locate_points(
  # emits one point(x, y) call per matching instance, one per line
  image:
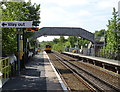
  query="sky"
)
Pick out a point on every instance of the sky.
point(91, 15)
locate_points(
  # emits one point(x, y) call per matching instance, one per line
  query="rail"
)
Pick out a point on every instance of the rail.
point(92, 78)
point(72, 80)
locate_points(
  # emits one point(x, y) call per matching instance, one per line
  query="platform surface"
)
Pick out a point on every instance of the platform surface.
point(38, 76)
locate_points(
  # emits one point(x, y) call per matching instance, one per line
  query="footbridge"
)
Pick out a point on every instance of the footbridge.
point(64, 31)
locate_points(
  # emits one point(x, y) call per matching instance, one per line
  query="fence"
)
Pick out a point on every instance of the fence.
point(84, 51)
point(110, 54)
point(6, 69)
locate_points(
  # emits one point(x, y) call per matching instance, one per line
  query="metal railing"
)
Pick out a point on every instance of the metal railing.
point(110, 54)
point(6, 68)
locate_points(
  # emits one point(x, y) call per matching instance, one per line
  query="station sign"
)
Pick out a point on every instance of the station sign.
point(16, 24)
point(32, 29)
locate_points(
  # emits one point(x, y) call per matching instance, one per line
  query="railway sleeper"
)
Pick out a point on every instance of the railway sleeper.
point(105, 82)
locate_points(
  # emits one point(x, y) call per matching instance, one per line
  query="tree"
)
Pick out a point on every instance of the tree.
point(59, 47)
point(112, 37)
point(72, 40)
point(34, 13)
point(56, 41)
point(11, 12)
point(82, 42)
point(98, 34)
point(62, 39)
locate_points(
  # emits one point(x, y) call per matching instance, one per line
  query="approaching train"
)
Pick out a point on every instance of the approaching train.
point(48, 48)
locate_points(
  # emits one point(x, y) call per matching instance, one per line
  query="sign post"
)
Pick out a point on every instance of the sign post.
point(19, 25)
point(18, 40)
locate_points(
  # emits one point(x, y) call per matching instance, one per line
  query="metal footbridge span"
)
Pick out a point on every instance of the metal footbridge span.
point(64, 31)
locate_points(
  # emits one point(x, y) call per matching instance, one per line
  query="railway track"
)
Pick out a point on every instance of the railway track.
point(71, 79)
point(100, 84)
point(110, 77)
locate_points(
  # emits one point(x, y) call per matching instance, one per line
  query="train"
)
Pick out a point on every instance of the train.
point(48, 48)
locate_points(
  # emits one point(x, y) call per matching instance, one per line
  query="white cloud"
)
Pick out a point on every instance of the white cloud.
point(57, 16)
point(54, 15)
point(88, 14)
point(119, 9)
point(84, 13)
point(67, 2)
point(47, 38)
point(106, 4)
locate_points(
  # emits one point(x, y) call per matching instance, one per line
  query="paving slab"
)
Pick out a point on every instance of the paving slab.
point(38, 76)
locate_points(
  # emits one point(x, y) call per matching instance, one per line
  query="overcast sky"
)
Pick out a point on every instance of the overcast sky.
point(88, 14)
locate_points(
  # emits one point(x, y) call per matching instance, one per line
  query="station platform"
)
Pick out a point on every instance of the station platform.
point(39, 76)
point(104, 60)
point(108, 64)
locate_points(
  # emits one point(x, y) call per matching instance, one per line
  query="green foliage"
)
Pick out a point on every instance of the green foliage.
point(79, 41)
point(112, 48)
point(9, 41)
point(33, 14)
point(14, 11)
point(72, 40)
point(42, 44)
point(10, 13)
point(82, 42)
point(63, 44)
point(59, 44)
point(62, 39)
point(111, 33)
point(98, 34)
point(58, 47)
point(56, 40)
